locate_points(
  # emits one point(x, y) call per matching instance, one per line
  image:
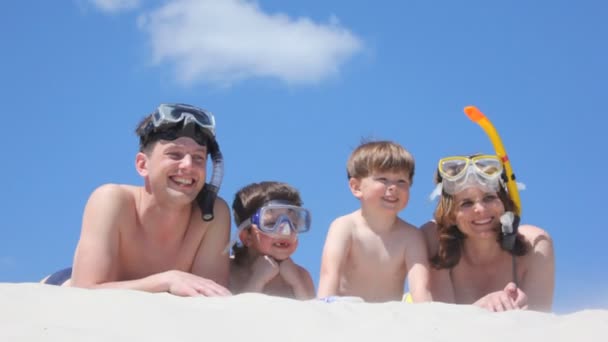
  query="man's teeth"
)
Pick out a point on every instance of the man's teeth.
point(184, 181)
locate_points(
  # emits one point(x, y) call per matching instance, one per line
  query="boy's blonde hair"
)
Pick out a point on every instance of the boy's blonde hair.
point(380, 156)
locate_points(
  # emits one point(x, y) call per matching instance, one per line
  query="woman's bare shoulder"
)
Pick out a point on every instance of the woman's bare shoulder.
point(429, 231)
point(537, 237)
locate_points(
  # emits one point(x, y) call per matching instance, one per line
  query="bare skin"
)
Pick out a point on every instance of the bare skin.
point(153, 238)
point(267, 268)
point(373, 265)
point(369, 253)
point(484, 277)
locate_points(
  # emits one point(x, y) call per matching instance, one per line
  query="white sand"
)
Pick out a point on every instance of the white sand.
point(36, 312)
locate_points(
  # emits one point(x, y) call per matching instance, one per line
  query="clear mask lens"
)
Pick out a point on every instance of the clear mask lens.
point(173, 113)
point(459, 173)
point(282, 219)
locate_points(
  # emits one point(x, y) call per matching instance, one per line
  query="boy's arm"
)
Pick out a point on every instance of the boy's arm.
point(336, 249)
point(439, 279)
point(298, 278)
point(306, 288)
point(416, 258)
point(539, 282)
point(210, 261)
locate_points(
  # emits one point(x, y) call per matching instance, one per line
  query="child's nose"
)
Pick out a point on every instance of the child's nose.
point(285, 228)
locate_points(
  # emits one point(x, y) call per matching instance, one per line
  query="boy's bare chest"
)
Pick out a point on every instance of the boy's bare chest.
point(379, 249)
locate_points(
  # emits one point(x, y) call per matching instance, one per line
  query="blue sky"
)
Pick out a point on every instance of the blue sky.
point(295, 86)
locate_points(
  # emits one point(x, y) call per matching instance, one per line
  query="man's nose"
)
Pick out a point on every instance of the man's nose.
point(186, 162)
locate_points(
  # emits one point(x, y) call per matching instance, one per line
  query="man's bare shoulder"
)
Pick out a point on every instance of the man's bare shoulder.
point(115, 192)
point(221, 214)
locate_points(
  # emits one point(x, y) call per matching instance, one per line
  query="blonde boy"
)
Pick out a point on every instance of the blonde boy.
point(370, 252)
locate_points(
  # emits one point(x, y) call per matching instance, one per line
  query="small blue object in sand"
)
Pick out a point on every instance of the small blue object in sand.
point(333, 299)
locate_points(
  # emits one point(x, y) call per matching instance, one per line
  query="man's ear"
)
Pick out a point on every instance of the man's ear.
point(355, 186)
point(141, 164)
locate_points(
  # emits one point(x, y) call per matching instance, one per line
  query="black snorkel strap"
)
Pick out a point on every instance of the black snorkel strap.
point(508, 239)
point(206, 198)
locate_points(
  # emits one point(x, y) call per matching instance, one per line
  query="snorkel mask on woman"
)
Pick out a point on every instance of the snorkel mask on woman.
point(171, 121)
point(277, 219)
point(459, 172)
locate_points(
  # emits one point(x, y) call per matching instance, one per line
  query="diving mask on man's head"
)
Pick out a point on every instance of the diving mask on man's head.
point(174, 120)
point(171, 121)
point(460, 172)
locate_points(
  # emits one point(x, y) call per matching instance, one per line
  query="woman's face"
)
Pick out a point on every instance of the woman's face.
point(477, 213)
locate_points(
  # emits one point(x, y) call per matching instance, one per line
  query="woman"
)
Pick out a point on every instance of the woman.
point(479, 255)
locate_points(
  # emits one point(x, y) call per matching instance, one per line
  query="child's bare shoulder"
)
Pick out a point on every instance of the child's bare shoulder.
point(344, 222)
point(409, 233)
point(406, 228)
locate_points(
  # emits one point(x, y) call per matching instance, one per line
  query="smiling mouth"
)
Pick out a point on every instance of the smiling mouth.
point(282, 244)
point(390, 199)
point(482, 222)
point(182, 181)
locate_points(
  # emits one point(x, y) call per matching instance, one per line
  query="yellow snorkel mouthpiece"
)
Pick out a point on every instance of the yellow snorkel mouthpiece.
point(478, 117)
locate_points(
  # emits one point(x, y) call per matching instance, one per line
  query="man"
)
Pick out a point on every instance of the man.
point(167, 235)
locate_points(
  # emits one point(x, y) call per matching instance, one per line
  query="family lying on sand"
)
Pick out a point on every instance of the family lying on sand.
point(172, 234)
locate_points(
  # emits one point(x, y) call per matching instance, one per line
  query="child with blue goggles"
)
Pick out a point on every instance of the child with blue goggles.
point(269, 217)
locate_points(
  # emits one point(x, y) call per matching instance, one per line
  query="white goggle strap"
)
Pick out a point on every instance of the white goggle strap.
point(235, 239)
point(436, 192)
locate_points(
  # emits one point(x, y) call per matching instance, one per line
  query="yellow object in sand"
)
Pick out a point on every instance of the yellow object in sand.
point(407, 297)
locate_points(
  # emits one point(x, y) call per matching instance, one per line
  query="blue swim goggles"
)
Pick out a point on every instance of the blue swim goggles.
point(277, 217)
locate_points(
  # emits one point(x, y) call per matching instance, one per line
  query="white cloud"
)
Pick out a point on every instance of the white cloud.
point(230, 40)
point(113, 6)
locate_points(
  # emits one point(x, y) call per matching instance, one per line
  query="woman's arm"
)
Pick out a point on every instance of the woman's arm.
point(539, 280)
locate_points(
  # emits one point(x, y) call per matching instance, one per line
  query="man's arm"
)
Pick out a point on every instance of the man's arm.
point(96, 254)
point(336, 249)
point(439, 279)
point(416, 261)
point(539, 281)
point(210, 260)
point(96, 261)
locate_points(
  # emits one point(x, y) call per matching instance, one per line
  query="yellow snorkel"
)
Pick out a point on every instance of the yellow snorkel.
point(477, 116)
